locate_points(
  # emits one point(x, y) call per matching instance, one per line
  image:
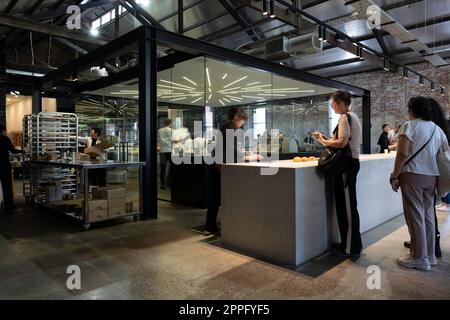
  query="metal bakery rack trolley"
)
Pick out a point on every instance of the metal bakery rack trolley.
point(55, 177)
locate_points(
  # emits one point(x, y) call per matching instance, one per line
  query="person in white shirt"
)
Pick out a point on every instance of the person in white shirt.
point(346, 135)
point(415, 174)
point(93, 139)
point(165, 150)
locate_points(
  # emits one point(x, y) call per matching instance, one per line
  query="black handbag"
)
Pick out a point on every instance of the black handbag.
point(334, 160)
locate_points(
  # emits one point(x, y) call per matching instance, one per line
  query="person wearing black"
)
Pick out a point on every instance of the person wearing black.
point(5, 168)
point(232, 153)
point(346, 136)
point(383, 141)
point(97, 177)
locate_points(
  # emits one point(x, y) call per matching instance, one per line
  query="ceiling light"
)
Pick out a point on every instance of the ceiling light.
point(177, 99)
point(272, 94)
point(209, 89)
point(210, 95)
point(433, 86)
point(187, 79)
point(162, 85)
point(386, 64)
point(94, 32)
point(265, 11)
point(177, 84)
point(405, 73)
point(272, 8)
point(196, 100)
point(225, 99)
point(8, 99)
point(221, 102)
point(240, 79)
point(207, 76)
point(224, 76)
point(251, 97)
point(442, 90)
point(320, 33)
point(250, 84)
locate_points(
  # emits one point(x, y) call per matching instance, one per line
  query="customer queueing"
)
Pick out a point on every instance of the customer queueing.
point(415, 173)
point(439, 119)
point(383, 140)
point(5, 168)
point(231, 151)
point(348, 132)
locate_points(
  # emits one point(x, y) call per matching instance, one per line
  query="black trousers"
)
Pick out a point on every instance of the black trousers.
point(6, 178)
point(97, 177)
point(347, 208)
point(213, 189)
point(164, 159)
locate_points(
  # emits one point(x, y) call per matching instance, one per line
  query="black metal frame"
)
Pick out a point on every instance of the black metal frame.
point(148, 38)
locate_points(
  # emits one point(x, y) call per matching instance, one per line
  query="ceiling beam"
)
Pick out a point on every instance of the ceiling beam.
point(396, 5)
point(331, 64)
point(381, 42)
point(10, 6)
point(45, 28)
point(142, 12)
point(236, 16)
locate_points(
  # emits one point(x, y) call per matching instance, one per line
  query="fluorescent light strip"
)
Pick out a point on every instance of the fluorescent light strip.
point(196, 100)
point(224, 76)
point(272, 94)
point(221, 102)
point(210, 95)
point(240, 79)
point(209, 89)
point(187, 79)
point(207, 76)
point(231, 97)
point(177, 84)
point(172, 87)
point(225, 90)
point(177, 99)
point(237, 100)
point(250, 84)
point(225, 99)
point(251, 97)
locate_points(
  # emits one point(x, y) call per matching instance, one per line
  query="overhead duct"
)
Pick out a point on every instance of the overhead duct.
point(283, 47)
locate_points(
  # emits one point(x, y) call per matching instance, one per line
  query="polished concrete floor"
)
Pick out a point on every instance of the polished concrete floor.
point(164, 259)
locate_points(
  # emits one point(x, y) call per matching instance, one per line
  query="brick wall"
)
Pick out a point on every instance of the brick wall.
point(390, 93)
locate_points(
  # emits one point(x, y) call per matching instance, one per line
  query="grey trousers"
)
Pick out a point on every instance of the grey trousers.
point(418, 207)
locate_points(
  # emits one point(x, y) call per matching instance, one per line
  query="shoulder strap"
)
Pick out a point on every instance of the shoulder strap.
point(418, 151)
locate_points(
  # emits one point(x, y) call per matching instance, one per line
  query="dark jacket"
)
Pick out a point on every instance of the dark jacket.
point(383, 142)
point(6, 147)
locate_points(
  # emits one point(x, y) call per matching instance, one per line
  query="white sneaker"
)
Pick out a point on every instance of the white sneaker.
point(445, 208)
point(432, 260)
point(419, 264)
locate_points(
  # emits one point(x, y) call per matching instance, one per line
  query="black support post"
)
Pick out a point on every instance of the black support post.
point(180, 17)
point(147, 121)
point(366, 125)
point(3, 80)
point(36, 100)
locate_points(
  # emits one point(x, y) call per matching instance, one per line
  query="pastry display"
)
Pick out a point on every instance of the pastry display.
point(305, 159)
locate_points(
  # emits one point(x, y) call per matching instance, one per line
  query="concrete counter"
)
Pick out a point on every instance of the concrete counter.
point(289, 218)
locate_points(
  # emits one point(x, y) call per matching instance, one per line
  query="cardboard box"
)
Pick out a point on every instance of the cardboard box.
point(96, 205)
point(116, 202)
point(97, 215)
point(98, 149)
point(116, 211)
point(118, 193)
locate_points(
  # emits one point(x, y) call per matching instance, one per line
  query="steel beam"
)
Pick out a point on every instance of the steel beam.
point(57, 31)
point(148, 122)
point(2, 80)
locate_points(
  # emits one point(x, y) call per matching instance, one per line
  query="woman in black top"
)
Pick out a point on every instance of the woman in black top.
point(383, 141)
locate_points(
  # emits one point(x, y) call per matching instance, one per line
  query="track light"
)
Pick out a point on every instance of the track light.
point(433, 86)
point(272, 9)
point(324, 33)
point(320, 32)
point(265, 9)
point(421, 80)
point(405, 73)
point(360, 53)
point(386, 64)
point(442, 90)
